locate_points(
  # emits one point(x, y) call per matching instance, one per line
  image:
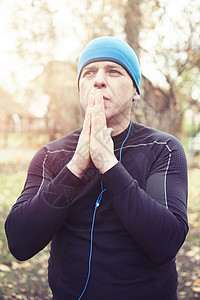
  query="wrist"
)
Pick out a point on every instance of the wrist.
point(108, 165)
point(73, 167)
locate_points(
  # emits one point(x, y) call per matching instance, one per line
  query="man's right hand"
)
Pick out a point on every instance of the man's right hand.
point(81, 160)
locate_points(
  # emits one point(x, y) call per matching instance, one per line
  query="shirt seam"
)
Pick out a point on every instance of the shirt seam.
point(168, 162)
point(44, 161)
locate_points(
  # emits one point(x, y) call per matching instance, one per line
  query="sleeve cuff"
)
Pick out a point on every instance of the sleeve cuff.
point(116, 179)
point(67, 178)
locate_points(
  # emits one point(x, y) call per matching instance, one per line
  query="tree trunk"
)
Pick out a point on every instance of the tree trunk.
point(156, 108)
point(133, 24)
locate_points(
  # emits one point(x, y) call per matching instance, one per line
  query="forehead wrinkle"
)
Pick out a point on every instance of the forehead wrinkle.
point(106, 65)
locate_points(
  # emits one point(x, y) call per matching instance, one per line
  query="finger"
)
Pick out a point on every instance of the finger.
point(97, 117)
point(90, 100)
point(99, 100)
point(96, 121)
point(94, 118)
point(98, 109)
point(87, 122)
point(90, 104)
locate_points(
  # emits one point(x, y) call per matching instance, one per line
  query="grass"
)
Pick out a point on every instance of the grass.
point(28, 280)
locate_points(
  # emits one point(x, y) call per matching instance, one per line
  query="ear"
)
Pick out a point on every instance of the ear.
point(136, 96)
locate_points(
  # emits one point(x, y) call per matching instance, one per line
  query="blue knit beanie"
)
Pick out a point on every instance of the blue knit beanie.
point(111, 49)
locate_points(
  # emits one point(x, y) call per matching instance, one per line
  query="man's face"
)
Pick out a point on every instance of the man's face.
point(116, 87)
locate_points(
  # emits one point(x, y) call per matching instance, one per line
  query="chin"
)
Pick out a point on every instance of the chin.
point(112, 120)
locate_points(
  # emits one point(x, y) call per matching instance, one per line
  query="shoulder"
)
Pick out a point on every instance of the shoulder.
point(64, 145)
point(67, 142)
point(162, 147)
point(150, 136)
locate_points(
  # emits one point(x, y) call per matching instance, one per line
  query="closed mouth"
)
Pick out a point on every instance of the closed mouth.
point(105, 98)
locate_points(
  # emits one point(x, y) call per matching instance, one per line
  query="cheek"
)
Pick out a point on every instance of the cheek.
point(127, 91)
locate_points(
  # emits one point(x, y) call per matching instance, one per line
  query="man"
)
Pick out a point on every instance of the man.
point(111, 196)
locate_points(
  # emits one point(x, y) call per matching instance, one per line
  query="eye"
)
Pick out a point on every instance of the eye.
point(88, 73)
point(113, 71)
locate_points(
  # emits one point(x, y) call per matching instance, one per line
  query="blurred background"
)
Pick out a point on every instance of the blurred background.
point(40, 41)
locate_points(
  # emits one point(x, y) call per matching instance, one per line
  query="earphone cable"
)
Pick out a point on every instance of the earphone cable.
point(98, 201)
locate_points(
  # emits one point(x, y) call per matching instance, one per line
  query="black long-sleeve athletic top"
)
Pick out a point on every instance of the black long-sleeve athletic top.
point(139, 227)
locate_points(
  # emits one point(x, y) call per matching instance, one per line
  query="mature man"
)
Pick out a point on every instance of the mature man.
point(111, 196)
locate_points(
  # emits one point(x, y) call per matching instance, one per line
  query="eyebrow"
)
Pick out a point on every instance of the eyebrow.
point(113, 66)
point(107, 66)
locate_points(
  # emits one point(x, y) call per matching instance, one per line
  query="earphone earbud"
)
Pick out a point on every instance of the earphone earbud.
point(135, 97)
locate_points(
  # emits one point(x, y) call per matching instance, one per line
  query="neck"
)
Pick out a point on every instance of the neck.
point(121, 125)
point(118, 126)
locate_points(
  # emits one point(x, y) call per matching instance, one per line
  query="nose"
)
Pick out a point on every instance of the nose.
point(100, 80)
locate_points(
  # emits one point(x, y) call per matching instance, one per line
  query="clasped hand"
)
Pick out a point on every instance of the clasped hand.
point(95, 143)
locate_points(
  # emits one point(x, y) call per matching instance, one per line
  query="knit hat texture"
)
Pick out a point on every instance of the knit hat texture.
point(113, 49)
